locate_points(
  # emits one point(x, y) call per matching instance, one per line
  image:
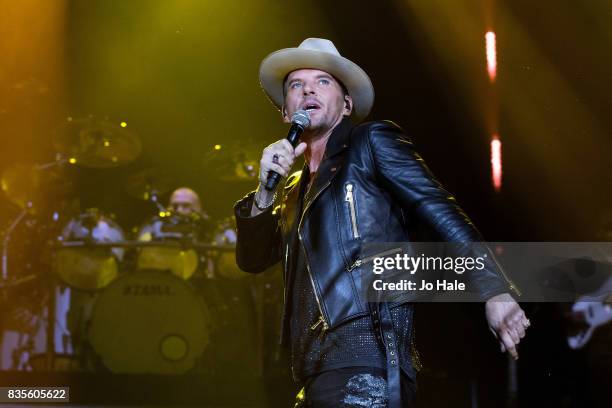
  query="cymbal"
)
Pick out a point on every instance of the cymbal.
point(96, 143)
point(233, 164)
point(242, 171)
point(27, 184)
point(145, 183)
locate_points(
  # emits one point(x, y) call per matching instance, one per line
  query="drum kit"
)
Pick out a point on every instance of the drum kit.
point(119, 303)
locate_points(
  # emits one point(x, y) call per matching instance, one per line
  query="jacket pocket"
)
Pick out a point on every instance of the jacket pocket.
point(352, 207)
point(363, 261)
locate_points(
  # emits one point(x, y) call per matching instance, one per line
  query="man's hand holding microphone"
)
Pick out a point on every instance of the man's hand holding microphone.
point(277, 160)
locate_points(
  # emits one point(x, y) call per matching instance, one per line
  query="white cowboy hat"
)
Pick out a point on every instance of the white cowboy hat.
point(316, 53)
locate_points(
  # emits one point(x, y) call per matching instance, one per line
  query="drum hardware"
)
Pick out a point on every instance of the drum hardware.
point(89, 266)
point(138, 244)
point(6, 241)
point(85, 142)
point(148, 185)
point(61, 362)
point(21, 355)
point(8, 283)
point(154, 198)
point(50, 328)
point(29, 186)
point(40, 334)
point(26, 322)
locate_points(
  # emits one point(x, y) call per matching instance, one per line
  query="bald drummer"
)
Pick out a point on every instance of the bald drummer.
point(185, 201)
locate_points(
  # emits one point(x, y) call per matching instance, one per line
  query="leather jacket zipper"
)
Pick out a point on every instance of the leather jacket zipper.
point(350, 199)
point(414, 353)
point(314, 288)
point(363, 261)
point(319, 321)
point(316, 293)
point(285, 276)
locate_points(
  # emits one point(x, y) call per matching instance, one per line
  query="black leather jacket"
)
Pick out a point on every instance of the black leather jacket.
point(391, 187)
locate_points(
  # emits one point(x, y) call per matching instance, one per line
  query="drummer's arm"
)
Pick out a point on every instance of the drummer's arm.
point(258, 237)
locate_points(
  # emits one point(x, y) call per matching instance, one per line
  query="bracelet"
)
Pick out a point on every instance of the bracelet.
point(265, 206)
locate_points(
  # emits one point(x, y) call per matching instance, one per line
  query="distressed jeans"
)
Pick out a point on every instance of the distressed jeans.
point(352, 387)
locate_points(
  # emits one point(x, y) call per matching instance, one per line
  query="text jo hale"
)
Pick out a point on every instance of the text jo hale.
point(403, 285)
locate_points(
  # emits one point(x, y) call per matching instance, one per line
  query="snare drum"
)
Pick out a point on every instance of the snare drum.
point(88, 267)
point(149, 321)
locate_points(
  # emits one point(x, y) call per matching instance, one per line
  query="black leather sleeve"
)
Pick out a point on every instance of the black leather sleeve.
point(403, 173)
point(258, 244)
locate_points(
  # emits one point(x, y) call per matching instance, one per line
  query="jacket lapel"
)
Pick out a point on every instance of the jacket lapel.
point(290, 203)
point(330, 166)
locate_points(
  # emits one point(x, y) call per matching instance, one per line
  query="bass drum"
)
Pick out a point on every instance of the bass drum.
point(90, 268)
point(149, 322)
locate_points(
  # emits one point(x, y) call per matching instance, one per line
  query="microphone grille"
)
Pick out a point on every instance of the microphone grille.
point(301, 118)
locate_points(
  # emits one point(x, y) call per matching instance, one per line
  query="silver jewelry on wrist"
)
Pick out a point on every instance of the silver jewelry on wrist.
point(262, 207)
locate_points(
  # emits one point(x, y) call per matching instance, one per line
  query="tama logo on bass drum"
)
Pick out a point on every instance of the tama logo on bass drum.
point(147, 290)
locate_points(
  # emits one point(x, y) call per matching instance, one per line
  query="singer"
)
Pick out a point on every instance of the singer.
point(361, 183)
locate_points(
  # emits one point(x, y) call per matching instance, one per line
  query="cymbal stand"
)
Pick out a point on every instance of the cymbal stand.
point(59, 161)
point(7, 239)
point(7, 233)
point(154, 198)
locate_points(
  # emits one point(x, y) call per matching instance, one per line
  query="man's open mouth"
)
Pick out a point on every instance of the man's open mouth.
point(310, 107)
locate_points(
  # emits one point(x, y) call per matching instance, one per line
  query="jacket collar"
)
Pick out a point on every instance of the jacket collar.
point(339, 138)
point(331, 163)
